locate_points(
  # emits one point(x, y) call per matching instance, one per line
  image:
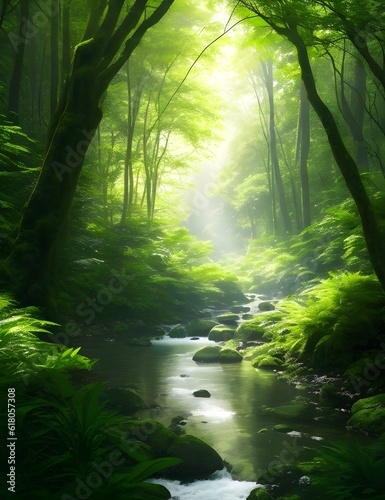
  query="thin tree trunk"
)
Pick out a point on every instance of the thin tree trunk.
point(54, 45)
point(66, 41)
point(304, 139)
point(268, 73)
point(15, 81)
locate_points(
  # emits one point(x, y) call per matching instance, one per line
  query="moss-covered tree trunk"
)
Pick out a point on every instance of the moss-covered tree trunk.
point(107, 45)
point(374, 236)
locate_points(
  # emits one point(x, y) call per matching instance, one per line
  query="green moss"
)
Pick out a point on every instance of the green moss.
point(227, 355)
point(371, 403)
point(259, 494)
point(267, 361)
point(249, 330)
point(127, 401)
point(200, 327)
point(282, 428)
point(207, 354)
point(152, 433)
point(368, 415)
point(228, 318)
point(178, 332)
point(221, 333)
point(199, 459)
point(296, 411)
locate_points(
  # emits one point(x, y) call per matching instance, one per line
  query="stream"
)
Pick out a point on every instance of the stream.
point(230, 420)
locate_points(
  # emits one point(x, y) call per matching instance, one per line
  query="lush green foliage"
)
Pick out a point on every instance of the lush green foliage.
point(165, 273)
point(350, 471)
point(333, 242)
point(62, 430)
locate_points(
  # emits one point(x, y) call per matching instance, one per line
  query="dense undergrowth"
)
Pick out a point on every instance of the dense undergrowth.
point(62, 444)
point(144, 273)
point(334, 242)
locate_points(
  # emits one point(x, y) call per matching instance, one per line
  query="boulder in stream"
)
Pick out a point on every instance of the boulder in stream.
point(125, 400)
point(266, 306)
point(228, 318)
point(199, 459)
point(202, 393)
point(200, 327)
point(221, 333)
point(177, 332)
point(207, 354)
point(228, 355)
point(240, 309)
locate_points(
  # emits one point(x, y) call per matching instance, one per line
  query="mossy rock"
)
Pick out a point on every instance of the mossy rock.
point(282, 428)
point(153, 434)
point(199, 459)
point(296, 412)
point(266, 306)
point(207, 354)
point(368, 415)
point(240, 309)
point(200, 327)
point(228, 318)
point(250, 330)
point(267, 361)
point(221, 333)
point(126, 401)
point(178, 332)
point(371, 403)
point(228, 355)
point(259, 494)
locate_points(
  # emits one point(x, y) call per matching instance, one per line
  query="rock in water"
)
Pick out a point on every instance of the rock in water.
point(266, 306)
point(199, 459)
point(221, 332)
point(207, 354)
point(228, 355)
point(202, 393)
point(200, 327)
point(178, 332)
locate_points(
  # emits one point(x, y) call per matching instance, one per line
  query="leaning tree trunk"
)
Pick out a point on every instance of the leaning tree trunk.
point(374, 236)
point(97, 60)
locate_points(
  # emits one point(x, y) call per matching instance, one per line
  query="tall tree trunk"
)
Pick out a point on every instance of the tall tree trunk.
point(268, 74)
point(374, 236)
point(304, 141)
point(66, 41)
point(353, 112)
point(54, 45)
point(19, 46)
point(133, 105)
point(358, 98)
point(72, 128)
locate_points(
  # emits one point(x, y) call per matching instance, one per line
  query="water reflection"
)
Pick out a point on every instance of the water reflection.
point(230, 420)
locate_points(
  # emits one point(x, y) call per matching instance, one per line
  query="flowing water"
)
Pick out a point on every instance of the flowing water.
point(231, 420)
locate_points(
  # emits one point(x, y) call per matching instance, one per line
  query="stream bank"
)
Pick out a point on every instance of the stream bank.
point(235, 420)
